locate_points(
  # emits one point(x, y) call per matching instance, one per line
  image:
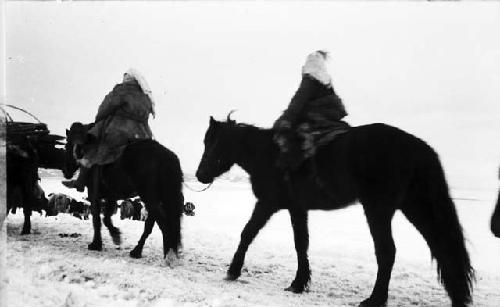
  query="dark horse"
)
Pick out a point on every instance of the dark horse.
point(382, 167)
point(495, 218)
point(147, 169)
point(23, 161)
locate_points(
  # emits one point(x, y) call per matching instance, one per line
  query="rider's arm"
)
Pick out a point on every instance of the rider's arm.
point(109, 104)
point(330, 106)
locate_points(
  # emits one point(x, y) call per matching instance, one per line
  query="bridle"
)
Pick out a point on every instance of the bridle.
point(210, 184)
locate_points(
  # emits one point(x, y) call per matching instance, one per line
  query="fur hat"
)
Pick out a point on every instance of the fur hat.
point(315, 66)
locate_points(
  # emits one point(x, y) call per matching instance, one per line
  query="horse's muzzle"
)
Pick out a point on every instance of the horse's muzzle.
point(203, 177)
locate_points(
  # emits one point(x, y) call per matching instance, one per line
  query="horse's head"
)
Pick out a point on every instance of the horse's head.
point(218, 156)
point(75, 138)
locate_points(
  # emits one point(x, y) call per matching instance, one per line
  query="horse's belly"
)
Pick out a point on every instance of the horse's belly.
point(326, 206)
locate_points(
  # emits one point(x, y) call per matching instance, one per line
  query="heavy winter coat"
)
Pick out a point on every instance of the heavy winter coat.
point(312, 119)
point(306, 107)
point(122, 117)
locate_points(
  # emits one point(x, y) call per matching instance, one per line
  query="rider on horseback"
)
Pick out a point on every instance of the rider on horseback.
point(122, 116)
point(313, 117)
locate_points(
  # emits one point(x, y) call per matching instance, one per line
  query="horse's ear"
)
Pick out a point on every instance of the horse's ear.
point(212, 121)
point(229, 120)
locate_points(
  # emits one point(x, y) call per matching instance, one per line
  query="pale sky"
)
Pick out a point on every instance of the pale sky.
point(432, 69)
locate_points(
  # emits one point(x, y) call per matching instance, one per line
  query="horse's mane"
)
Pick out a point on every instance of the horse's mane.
point(233, 124)
point(249, 134)
point(256, 137)
point(247, 128)
point(251, 127)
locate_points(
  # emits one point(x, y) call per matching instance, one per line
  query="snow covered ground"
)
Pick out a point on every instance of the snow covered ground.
point(45, 269)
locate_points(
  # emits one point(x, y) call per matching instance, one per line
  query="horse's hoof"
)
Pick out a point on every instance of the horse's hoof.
point(295, 289)
point(171, 259)
point(116, 236)
point(135, 253)
point(370, 302)
point(95, 246)
point(231, 276)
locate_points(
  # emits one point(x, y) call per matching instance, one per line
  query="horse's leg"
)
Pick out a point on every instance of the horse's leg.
point(172, 205)
point(28, 198)
point(27, 222)
point(301, 238)
point(158, 215)
point(259, 218)
point(169, 247)
point(148, 228)
point(95, 208)
point(379, 221)
point(113, 231)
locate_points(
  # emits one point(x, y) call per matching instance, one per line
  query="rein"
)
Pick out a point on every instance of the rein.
point(198, 191)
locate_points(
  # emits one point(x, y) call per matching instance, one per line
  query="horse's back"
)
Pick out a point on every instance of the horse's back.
point(146, 157)
point(148, 149)
point(383, 133)
point(383, 143)
point(377, 159)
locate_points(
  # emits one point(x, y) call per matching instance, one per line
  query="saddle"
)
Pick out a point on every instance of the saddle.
point(298, 149)
point(302, 143)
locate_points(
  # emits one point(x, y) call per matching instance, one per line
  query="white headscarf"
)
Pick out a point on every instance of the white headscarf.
point(315, 66)
point(135, 75)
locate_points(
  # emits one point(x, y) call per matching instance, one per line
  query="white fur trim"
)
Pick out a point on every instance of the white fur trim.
point(315, 66)
point(136, 75)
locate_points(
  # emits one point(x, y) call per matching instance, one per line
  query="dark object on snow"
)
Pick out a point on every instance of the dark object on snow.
point(189, 209)
point(126, 209)
point(73, 235)
point(382, 167)
point(147, 169)
point(29, 146)
point(59, 203)
point(62, 203)
point(79, 209)
point(136, 203)
point(131, 209)
point(495, 218)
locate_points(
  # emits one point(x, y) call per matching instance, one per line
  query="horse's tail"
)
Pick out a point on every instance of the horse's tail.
point(453, 263)
point(172, 197)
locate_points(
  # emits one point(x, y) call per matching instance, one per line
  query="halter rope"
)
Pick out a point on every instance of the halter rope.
point(198, 191)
